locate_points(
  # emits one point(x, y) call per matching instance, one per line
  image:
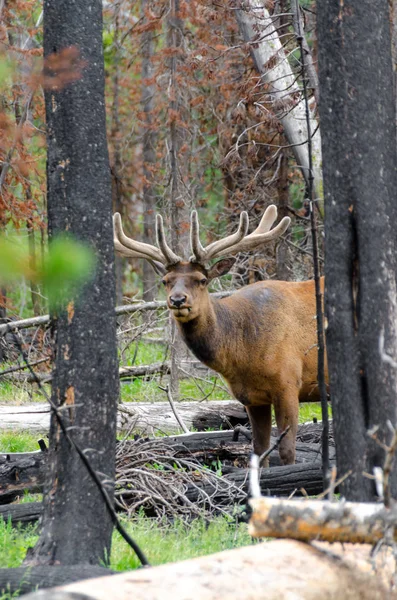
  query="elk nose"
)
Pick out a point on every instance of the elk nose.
point(178, 300)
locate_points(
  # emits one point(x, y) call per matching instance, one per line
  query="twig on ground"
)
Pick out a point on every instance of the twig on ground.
point(151, 474)
point(22, 367)
point(335, 485)
point(244, 431)
point(172, 404)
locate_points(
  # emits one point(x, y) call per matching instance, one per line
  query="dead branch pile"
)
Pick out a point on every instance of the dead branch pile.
point(150, 474)
point(186, 475)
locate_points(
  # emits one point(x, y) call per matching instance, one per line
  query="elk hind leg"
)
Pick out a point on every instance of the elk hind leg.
point(287, 413)
point(261, 423)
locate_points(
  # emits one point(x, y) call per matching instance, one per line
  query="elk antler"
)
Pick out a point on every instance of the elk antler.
point(129, 247)
point(200, 254)
point(238, 241)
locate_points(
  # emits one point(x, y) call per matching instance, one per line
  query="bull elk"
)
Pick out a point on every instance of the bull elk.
point(262, 339)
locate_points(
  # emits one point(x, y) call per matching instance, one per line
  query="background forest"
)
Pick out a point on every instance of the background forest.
point(190, 124)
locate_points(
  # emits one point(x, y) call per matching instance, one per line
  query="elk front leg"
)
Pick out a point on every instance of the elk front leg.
point(261, 422)
point(287, 411)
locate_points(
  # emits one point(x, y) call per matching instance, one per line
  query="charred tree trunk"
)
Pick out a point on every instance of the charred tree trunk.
point(28, 579)
point(359, 144)
point(76, 525)
point(282, 255)
point(117, 187)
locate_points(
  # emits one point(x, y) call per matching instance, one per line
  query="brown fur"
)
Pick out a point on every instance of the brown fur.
point(262, 339)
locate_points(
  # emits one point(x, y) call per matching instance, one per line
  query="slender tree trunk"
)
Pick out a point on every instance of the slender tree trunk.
point(179, 210)
point(149, 158)
point(76, 525)
point(34, 288)
point(282, 255)
point(357, 112)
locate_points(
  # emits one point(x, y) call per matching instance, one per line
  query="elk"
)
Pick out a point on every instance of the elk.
point(262, 339)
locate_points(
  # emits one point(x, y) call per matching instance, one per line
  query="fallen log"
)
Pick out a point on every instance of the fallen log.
point(141, 371)
point(273, 570)
point(219, 445)
point(45, 319)
point(158, 416)
point(276, 481)
point(310, 433)
point(143, 417)
point(28, 512)
point(26, 579)
point(151, 417)
point(160, 368)
point(27, 473)
point(306, 520)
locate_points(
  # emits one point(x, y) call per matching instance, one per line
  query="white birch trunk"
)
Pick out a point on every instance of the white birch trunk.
point(257, 28)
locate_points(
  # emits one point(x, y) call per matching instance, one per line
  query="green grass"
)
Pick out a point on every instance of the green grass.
point(18, 441)
point(14, 542)
point(17, 394)
point(161, 542)
point(140, 390)
point(148, 391)
point(311, 410)
point(145, 354)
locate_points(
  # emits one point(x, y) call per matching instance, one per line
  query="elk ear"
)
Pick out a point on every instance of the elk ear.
point(158, 267)
point(221, 268)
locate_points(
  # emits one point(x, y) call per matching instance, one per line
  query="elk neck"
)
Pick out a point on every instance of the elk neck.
point(207, 333)
point(221, 334)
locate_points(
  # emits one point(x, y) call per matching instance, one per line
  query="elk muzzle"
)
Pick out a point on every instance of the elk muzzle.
point(177, 300)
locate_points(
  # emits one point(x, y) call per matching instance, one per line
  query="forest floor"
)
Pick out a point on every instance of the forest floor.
point(163, 541)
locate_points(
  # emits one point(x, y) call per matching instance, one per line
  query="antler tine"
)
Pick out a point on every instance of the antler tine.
point(132, 248)
point(197, 248)
point(118, 245)
point(270, 215)
point(221, 246)
point(170, 258)
point(254, 240)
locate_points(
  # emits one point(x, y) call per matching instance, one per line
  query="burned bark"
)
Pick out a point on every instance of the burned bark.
point(357, 113)
point(149, 156)
point(77, 527)
point(27, 579)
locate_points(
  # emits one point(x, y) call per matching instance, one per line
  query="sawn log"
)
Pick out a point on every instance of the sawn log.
point(274, 570)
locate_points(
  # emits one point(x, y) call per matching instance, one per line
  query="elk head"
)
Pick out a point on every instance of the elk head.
point(186, 281)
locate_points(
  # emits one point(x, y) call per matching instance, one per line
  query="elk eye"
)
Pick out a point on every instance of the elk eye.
point(203, 281)
point(164, 282)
